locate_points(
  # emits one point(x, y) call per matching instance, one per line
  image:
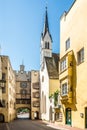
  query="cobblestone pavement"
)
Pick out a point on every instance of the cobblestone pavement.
point(3, 126)
point(26, 125)
point(62, 127)
point(35, 125)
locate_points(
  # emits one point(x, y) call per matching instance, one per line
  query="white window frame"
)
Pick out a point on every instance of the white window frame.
point(80, 56)
point(63, 65)
point(67, 44)
point(64, 89)
point(46, 45)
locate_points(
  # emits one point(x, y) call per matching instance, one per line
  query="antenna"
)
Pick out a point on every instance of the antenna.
point(46, 4)
point(22, 62)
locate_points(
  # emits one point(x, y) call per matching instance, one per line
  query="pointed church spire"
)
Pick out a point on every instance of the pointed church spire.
point(46, 28)
point(46, 25)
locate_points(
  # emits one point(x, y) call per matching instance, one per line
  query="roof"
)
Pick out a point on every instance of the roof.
point(52, 66)
point(66, 12)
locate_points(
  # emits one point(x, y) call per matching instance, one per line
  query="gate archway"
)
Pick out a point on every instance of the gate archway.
point(23, 113)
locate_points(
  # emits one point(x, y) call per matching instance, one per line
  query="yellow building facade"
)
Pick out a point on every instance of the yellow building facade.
point(73, 65)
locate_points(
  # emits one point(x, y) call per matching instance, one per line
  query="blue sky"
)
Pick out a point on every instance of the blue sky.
point(21, 25)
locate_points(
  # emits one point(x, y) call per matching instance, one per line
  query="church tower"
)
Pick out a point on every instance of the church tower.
point(46, 42)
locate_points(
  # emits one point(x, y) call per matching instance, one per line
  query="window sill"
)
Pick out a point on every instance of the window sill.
point(63, 71)
point(64, 95)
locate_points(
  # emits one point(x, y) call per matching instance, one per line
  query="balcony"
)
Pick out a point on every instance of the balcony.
point(36, 104)
point(23, 101)
point(36, 95)
point(70, 63)
point(36, 85)
point(67, 98)
point(66, 79)
point(57, 108)
point(2, 83)
point(66, 65)
point(3, 80)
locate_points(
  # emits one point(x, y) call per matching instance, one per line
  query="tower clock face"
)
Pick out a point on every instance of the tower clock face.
point(23, 84)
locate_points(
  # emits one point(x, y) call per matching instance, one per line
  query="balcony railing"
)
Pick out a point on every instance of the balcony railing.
point(67, 98)
point(36, 95)
point(36, 104)
point(2, 83)
point(23, 101)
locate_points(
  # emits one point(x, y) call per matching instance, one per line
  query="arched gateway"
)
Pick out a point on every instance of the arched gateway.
point(23, 111)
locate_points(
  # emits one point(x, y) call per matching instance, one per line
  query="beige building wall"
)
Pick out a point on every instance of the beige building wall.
point(8, 90)
point(0, 94)
point(35, 95)
point(0, 79)
point(73, 26)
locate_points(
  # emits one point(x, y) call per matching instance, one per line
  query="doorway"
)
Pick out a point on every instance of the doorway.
point(1, 118)
point(68, 116)
point(86, 117)
point(36, 115)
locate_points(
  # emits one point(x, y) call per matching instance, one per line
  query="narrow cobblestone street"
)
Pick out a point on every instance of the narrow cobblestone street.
point(25, 124)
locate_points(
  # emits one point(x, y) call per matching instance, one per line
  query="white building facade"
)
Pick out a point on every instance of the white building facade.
point(46, 51)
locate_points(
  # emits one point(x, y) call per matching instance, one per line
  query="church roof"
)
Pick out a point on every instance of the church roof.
point(52, 66)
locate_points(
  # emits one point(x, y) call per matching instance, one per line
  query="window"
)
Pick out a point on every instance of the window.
point(35, 73)
point(67, 44)
point(3, 89)
point(63, 65)
point(42, 78)
point(36, 85)
point(64, 89)
point(23, 101)
point(3, 103)
point(36, 104)
point(80, 56)
point(3, 76)
point(46, 45)
point(58, 116)
point(36, 95)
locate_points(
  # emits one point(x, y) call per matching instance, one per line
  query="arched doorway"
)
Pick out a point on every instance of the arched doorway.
point(68, 116)
point(23, 113)
point(2, 118)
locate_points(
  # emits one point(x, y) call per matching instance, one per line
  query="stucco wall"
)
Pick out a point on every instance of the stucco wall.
point(74, 26)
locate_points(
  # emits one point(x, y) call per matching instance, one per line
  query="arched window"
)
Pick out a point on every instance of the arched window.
point(46, 45)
